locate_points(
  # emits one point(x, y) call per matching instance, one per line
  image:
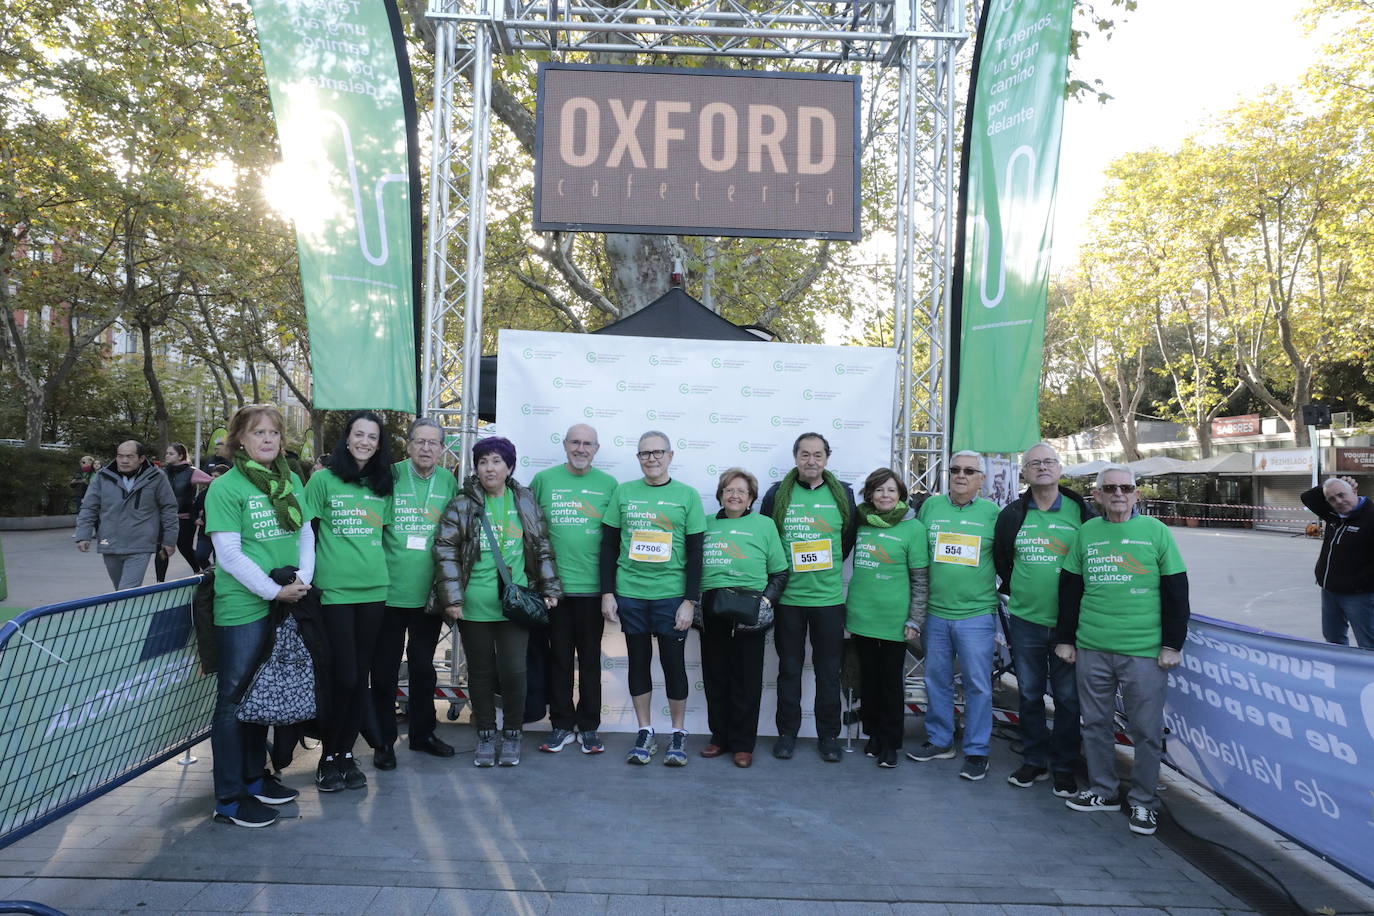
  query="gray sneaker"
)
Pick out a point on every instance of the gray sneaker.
point(676, 755)
point(645, 748)
point(975, 767)
point(559, 739)
point(485, 755)
point(510, 747)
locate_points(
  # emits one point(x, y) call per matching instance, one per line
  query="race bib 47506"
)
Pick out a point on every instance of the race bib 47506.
point(651, 546)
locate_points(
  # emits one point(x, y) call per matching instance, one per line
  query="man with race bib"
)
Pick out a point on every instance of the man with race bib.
point(815, 515)
point(651, 565)
point(961, 618)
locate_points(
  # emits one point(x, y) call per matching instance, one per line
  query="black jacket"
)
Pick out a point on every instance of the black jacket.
point(1009, 522)
point(1346, 562)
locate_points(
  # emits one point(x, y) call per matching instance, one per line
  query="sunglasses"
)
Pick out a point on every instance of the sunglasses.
point(1117, 488)
point(961, 471)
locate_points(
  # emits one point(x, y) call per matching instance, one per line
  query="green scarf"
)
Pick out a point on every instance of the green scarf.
point(783, 498)
point(891, 517)
point(275, 481)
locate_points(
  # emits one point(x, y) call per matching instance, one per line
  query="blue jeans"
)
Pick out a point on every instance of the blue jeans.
point(1038, 668)
point(239, 749)
point(1343, 612)
point(973, 640)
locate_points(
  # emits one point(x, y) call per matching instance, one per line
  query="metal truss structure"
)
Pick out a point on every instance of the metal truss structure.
point(918, 39)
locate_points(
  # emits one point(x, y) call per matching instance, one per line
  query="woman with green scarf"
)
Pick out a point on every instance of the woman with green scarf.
point(886, 606)
point(253, 517)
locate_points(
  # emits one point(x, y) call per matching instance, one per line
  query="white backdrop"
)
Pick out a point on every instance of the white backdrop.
point(722, 404)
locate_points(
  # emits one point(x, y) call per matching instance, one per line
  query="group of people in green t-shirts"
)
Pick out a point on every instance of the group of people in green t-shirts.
point(395, 549)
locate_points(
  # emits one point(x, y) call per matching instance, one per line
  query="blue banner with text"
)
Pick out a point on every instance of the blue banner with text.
point(1283, 728)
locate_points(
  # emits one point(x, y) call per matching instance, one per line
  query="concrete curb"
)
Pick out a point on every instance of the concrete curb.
point(37, 522)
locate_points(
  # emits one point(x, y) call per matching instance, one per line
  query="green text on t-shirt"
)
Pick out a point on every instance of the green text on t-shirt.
point(654, 523)
point(963, 580)
point(574, 505)
point(879, 599)
point(233, 504)
point(1121, 564)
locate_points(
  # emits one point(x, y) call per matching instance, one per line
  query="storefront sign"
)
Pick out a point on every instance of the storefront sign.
point(696, 152)
point(1243, 425)
point(1284, 461)
point(1355, 460)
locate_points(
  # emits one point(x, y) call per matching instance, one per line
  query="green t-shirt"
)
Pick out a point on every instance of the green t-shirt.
point(482, 600)
point(963, 580)
point(1041, 545)
point(741, 552)
point(350, 565)
point(234, 504)
point(812, 534)
point(574, 505)
point(1121, 563)
point(416, 504)
point(879, 596)
point(654, 523)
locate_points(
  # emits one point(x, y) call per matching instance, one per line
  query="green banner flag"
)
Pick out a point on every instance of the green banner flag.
point(344, 104)
point(1010, 172)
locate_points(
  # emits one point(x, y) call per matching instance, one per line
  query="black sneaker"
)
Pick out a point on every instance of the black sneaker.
point(1065, 785)
point(249, 812)
point(328, 777)
point(1087, 800)
point(1143, 820)
point(871, 748)
point(928, 751)
point(353, 777)
point(269, 790)
point(829, 749)
point(1027, 776)
point(975, 767)
point(784, 747)
point(887, 759)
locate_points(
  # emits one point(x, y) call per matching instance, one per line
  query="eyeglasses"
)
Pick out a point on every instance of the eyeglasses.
point(958, 470)
point(1117, 488)
point(1041, 463)
point(426, 443)
point(655, 454)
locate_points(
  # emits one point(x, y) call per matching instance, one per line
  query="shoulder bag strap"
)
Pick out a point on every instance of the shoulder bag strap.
point(501, 568)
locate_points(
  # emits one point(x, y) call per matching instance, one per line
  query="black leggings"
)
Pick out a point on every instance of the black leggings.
point(671, 658)
point(351, 634)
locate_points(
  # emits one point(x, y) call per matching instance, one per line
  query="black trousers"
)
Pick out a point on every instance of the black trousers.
point(882, 690)
point(411, 629)
point(495, 650)
point(350, 632)
point(826, 628)
point(186, 546)
point(575, 629)
point(536, 674)
point(732, 676)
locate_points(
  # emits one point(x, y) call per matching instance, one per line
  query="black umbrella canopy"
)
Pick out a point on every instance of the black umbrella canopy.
point(675, 314)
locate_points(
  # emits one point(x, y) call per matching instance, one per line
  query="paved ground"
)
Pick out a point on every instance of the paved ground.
point(574, 834)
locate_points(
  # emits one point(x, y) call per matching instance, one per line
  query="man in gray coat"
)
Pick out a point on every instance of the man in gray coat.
point(129, 511)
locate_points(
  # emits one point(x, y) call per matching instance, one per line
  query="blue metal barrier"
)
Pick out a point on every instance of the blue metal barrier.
point(93, 693)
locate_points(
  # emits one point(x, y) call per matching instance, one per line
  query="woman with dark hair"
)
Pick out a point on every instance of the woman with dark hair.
point(184, 477)
point(351, 501)
point(886, 606)
point(492, 505)
point(253, 515)
point(741, 551)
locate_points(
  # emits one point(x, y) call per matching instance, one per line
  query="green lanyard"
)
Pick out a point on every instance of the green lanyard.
point(410, 470)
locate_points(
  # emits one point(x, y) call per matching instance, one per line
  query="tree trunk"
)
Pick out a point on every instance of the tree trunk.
point(145, 331)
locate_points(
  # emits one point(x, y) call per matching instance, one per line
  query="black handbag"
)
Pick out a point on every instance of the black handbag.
point(519, 604)
point(743, 608)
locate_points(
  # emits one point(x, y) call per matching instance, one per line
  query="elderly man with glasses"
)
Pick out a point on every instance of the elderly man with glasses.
point(961, 616)
point(651, 563)
point(1033, 535)
point(421, 490)
point(1123, 617)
